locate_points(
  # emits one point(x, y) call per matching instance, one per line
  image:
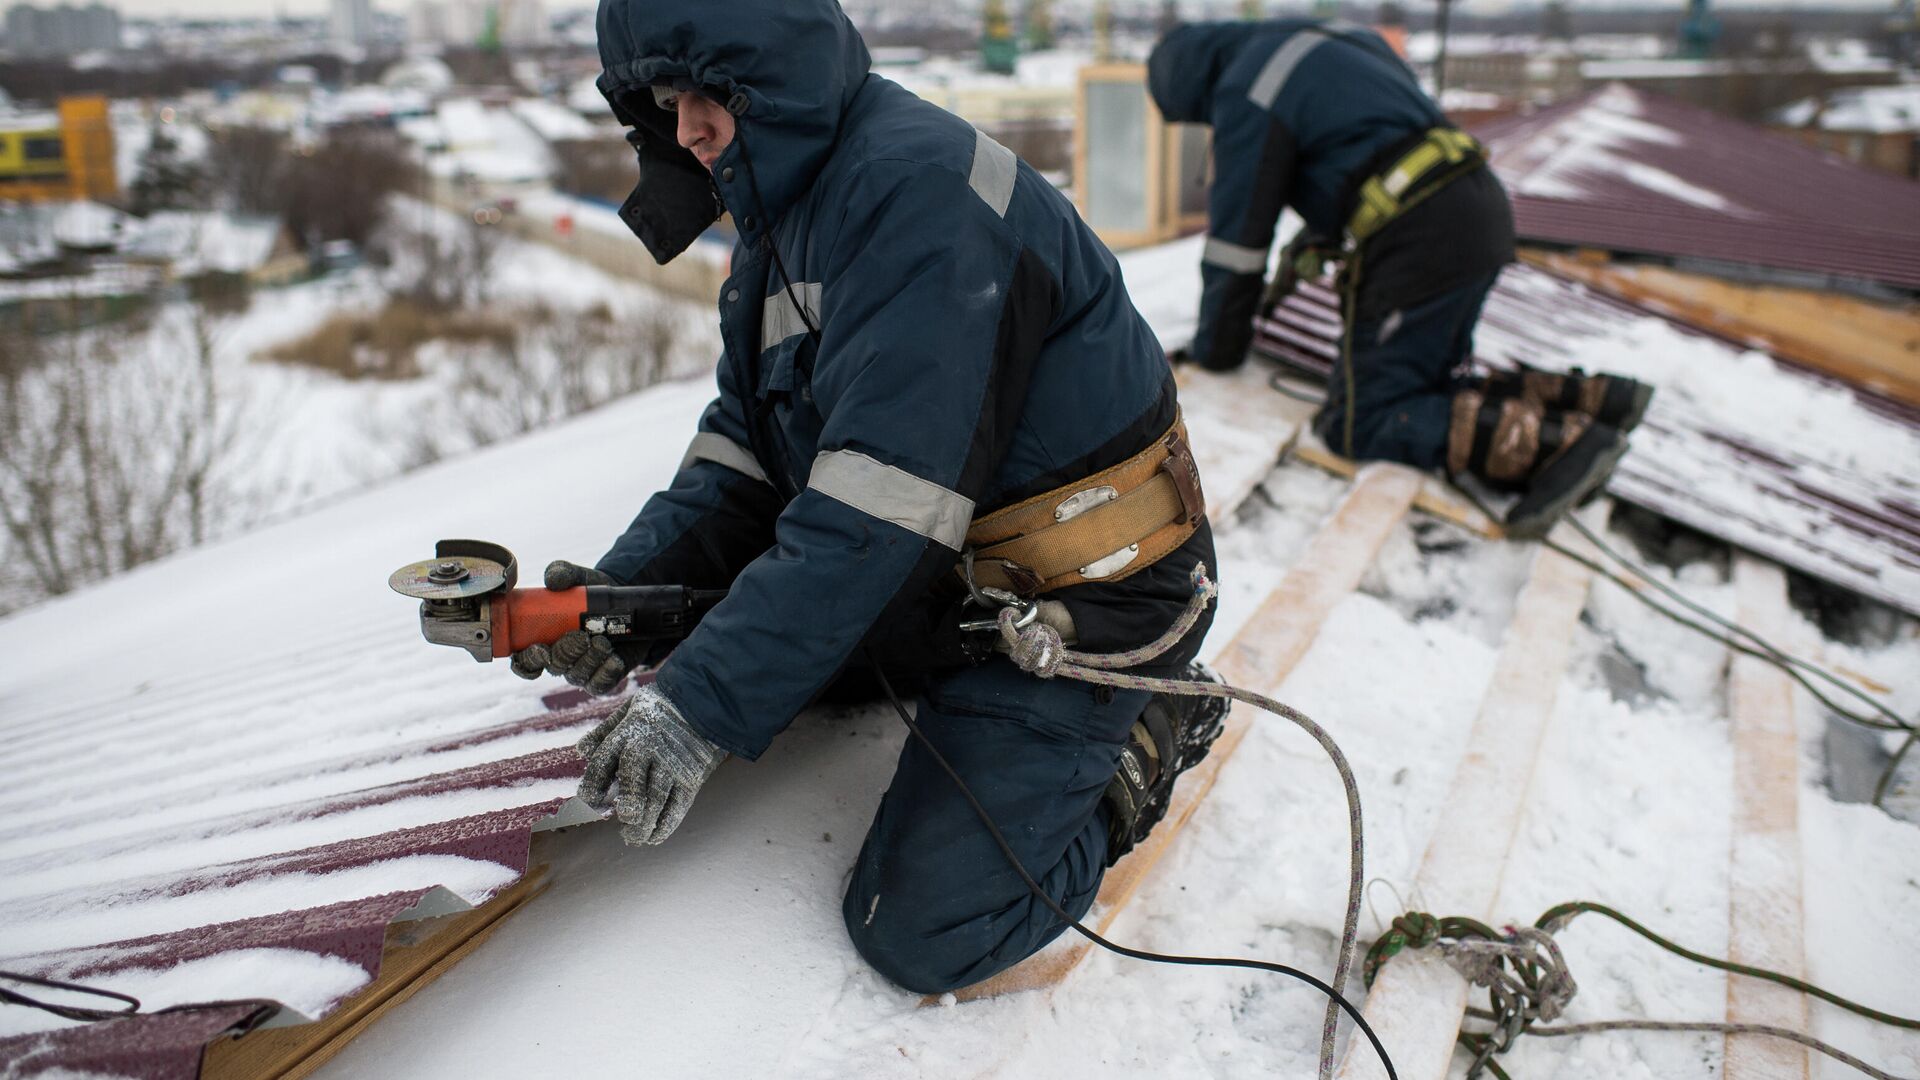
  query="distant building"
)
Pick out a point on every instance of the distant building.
point(430, 22)
point(62, 155)
point(511, 23)
point(1878, 126)
point(61, 31)
point(350, 22)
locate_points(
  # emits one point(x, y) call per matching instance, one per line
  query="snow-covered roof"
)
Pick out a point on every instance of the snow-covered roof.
point(1866, 110)
point(1627, 170)
point(29, 121)
point(492, 144)
point(274, 765)
point(279, 819)
point(585, 98)
point(427, 74)
point(197, 242)
point(552, 121)
point(368, 102)
point(90, 225)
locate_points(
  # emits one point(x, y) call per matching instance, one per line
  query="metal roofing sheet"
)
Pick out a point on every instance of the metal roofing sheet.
point(1839, 501)
point(224, 776)
point(1628, 171)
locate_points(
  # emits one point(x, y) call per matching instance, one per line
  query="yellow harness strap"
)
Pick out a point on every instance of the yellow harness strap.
point(1380, 196)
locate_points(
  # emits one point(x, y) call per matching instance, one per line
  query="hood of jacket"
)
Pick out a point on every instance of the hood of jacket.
point(1186, 66)
point(788, 71)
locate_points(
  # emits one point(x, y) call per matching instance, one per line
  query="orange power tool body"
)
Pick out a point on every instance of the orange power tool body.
point(468, 600)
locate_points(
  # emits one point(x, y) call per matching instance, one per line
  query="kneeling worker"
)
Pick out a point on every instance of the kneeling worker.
point(1325, 118)
point(925, 353)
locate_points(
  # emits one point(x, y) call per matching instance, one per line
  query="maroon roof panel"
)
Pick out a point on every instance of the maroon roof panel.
point(1628, 171)
point(1771, 457)
point(302, 925)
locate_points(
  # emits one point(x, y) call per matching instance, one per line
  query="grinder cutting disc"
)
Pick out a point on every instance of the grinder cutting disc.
point(454, 578)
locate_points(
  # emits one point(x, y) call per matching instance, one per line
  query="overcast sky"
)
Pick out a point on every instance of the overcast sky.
point(399, 7)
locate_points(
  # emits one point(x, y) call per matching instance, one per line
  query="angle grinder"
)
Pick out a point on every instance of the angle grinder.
point(468, 600)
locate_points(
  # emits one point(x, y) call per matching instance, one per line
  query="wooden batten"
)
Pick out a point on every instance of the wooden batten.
point(1418, 1001)
point(1765, 915)
point(416, 954)
point(1868, 344)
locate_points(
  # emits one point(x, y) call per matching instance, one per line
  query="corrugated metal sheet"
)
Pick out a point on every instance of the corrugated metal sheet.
point(1845, 513)
point(133, 871)
point(1628, 171)
point(222, 777)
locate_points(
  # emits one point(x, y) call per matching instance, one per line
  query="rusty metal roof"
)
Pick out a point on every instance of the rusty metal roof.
point(1629, 171)
point(1780, 460)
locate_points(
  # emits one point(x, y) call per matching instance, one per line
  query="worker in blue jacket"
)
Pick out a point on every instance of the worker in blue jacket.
point(925, 353)
point(1325, 118)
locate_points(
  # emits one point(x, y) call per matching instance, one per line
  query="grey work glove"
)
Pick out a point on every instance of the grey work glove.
point(648, 763)
point(588, 661)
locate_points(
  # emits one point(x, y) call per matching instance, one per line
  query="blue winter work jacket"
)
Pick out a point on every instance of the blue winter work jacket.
point(918, 330)
point(1303, 112)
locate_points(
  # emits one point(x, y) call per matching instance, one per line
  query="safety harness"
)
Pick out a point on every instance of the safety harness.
point(1440, 157)
point(1103, 527)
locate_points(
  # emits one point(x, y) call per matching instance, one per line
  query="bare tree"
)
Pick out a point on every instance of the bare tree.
point(113, 455)
point(341, 189)
point(443, 265)
point(247, 166)
point(559, 364)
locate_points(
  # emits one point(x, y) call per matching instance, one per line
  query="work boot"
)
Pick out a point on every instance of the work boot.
point(1557, 460)
point(1613, 400)
point(1173, 734)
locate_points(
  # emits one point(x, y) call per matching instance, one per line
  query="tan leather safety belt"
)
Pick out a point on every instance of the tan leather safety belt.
point(1102, 528)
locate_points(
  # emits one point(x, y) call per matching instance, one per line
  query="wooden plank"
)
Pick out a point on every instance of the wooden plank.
point(1418, 1001)
point(1240, 428)
point(417, 953)
point(1436, 496)
point(1764, 899)
point(1875, 345)
point(1260, 658)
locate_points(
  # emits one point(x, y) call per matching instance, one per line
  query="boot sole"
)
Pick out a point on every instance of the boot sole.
point(1642, 397)
point(1538, 522)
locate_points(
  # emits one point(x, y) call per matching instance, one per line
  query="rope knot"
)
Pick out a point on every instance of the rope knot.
point(1420, 928)
point(1037, 649)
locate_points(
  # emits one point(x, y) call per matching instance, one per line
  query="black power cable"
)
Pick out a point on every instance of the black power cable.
point(1000, 841)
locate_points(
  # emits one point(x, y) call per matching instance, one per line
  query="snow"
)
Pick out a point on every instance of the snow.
point(1601, 139)
point(721, 952)
point(310, 984)
point(1867, 110)
point(90, 225)
point(195, 241)
point(492, 145)
point(552, 121)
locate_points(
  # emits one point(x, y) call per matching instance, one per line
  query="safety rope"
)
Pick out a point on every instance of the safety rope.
point(1037, 648)
point(1528, 984)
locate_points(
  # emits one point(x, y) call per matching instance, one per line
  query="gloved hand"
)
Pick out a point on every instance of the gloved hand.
point(649, 763)
point(588, 661)
point(1180, 355)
